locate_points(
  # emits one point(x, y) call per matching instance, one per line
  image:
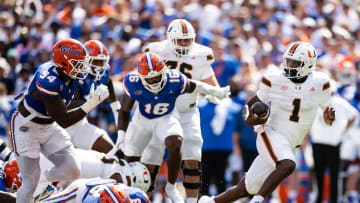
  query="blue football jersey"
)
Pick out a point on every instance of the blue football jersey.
point(88, 81)
point(48, 84)
point(155, 105)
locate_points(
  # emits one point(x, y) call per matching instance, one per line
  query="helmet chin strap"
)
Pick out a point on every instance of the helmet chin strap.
point(299, 80)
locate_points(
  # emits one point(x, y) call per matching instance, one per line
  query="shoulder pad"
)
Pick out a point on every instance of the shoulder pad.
point(47, 82)
point(205, 52)
point(156, 47)
point(131, 81)
point(321, 80)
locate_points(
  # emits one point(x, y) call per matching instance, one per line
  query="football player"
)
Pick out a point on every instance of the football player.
point(98, 190)
point(93, 164)
point(83, 134)
point(181, 52)
point(294, 96)
point(156, 89)
point(39, 121)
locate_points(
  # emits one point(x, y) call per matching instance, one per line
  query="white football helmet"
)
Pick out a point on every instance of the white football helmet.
point(299, 60)
point(142, 178)
point(180, 29)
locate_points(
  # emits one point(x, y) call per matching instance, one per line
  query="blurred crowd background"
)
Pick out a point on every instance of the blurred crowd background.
point(248, 37)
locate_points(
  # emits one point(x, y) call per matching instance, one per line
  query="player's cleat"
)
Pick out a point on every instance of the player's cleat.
point(206, 199)
point(47, 192)
point(173, 194)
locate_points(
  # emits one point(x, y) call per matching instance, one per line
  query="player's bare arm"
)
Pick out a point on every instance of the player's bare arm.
point(124, 113)
point(112, 96)
point(249, 115)
point(58, 111)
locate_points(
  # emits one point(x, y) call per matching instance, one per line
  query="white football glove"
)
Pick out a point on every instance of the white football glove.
point(212, 99)
point(95, 97)
point(223, 92)
point(120, 143)
point(115, 107)
point(219, 92)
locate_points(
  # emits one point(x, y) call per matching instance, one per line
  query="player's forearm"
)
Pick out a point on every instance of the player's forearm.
point(70, 117)
point(112, 96)
point(206, 89)
point(123, 120)
point(75, 104)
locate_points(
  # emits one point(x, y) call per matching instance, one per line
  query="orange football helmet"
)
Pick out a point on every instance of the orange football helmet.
point(152, 72)
point(99, 58)
point(71, 56)
point(113, 194)
point(12, 176)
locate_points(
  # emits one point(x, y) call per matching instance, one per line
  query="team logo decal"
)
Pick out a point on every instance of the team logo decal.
point(284, 87)
point(24, 128)
point(138, 92)
point(65, 49)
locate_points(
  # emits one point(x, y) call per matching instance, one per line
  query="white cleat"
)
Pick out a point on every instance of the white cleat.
point(174, 194)
point(206, 199)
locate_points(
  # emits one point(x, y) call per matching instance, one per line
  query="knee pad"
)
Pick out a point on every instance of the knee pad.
point(192, 172)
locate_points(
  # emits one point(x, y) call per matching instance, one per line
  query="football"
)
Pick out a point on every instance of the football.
point(259, 108)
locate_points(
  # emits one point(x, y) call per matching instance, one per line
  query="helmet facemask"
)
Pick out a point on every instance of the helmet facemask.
point(292, 68)
point(182, 46)
point(154, 81)
point(98, 66)
point(80, 68)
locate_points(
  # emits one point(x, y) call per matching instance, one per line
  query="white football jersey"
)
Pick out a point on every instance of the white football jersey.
point(196, 66)
point(293, 106)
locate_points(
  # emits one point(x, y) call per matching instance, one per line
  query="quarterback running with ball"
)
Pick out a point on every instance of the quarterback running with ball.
point(293, 96)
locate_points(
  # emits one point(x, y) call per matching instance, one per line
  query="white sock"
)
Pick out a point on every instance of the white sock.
point(170, 186)
point(191, 200)
point(256, 199)
point(292, 194)
point(211, 200)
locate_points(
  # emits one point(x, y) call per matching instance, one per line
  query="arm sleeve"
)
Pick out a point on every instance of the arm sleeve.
point(48, 88)
point(126, 89)
point(324, 95)
point(206, 67)
point(184, 84)
point(264, 88)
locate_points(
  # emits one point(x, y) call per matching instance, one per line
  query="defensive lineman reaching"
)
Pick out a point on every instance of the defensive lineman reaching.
point(181, 52)
point(294, 95)
point(39, 122)
point(156, 89)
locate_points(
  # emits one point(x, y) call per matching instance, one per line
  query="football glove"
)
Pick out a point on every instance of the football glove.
point(95, 97)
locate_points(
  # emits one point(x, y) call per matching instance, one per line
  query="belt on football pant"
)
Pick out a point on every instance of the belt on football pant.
point(24, 112)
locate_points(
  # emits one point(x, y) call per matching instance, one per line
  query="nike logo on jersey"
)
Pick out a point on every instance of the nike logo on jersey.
point(284, 87)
